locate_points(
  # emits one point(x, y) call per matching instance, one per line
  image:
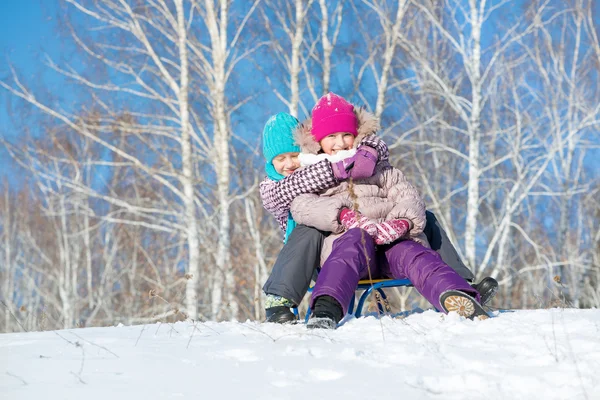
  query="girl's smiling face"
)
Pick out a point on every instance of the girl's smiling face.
point(286, 163)
point(335, 142)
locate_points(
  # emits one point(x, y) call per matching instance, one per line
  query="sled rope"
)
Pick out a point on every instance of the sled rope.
point(354, 199)
point(383, 302)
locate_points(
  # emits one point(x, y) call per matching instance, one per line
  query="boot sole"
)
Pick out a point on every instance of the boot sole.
point(464, 306)
point(283, 320)
point(321, 323)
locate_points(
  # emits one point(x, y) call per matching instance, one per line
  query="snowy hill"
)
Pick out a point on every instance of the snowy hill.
point(534, 354)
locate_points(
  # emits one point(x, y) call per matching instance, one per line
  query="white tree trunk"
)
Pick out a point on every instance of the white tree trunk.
point(295, 67)
point(88, 256)
point(327, 46)
point(568, 171)
point(187, 178)
point(223, 278)
point(391, 41)
point(65, 286)
point(474, 138)
point(260, 269)
point(7, 290)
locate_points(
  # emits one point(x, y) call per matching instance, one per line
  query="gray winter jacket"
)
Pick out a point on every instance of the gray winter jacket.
point(384, 196)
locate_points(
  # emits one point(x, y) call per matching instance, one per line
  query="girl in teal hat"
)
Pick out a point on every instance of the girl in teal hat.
point(281, 153)
point(300, 256)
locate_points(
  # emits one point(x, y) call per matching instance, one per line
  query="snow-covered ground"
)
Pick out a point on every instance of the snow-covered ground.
point(534, 354)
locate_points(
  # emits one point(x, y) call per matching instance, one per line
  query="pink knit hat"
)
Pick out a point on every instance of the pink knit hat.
point(332, 114)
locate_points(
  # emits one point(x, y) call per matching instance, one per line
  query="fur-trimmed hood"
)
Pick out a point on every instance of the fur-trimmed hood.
point(368, 124)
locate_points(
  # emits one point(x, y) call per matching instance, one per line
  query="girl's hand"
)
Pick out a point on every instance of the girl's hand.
point(351, 219)
point(365, 161)
point(361, 165)
point(390, 231)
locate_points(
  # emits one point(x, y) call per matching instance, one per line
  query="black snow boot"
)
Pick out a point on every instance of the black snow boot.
point(487, 289)
point(280, 315)
point(464, 305)
point(326, 315)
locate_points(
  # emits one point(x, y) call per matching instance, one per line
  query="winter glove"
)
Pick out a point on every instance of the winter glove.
point(351, 219)
point(392, 230)
point(365, 161)
point(341, 169)
point(360, 165)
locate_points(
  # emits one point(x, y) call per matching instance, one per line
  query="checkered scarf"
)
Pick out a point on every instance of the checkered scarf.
point(277, 196)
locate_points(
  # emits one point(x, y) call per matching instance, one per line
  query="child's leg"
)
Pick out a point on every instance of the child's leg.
point(426, 270)
point(438, 240)
point(348, 263)
point(295, 265)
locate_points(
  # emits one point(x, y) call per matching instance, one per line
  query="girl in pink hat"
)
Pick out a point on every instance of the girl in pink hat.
point(375, 216)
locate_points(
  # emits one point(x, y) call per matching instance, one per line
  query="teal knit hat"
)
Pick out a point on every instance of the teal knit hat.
point(278, 138)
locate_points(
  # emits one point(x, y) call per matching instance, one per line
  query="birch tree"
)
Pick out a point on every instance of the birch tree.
point(467, 102)
point(567, 66)
point(331, 21)
point(286, 28)
point(380, 62)
point(8, 247)
point(215, 61)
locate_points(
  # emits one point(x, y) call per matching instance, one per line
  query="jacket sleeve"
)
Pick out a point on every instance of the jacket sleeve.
point(319, 211)
point(408, 203)
point(277, 196)
point(378, 144)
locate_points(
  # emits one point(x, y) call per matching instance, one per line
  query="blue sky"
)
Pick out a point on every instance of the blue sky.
point(26, 28)
point(27, 32)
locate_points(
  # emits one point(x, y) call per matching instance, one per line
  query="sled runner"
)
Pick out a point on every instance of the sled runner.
point(368, 286)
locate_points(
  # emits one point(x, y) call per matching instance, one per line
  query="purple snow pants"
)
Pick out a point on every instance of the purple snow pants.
point(349, 259)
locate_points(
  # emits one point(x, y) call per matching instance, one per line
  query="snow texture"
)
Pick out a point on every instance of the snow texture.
point(528, 354)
